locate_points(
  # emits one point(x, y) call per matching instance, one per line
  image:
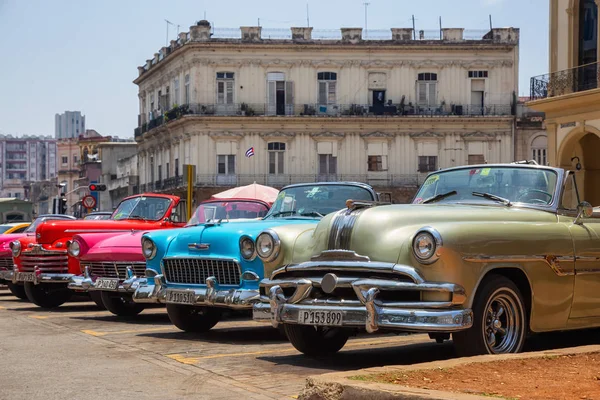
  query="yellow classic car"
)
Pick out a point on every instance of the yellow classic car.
point(487, 253)
point(14, 227)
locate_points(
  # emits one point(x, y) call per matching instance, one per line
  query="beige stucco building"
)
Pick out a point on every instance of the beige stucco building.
point(384, 112)
point(569, 94)
point(68, 159)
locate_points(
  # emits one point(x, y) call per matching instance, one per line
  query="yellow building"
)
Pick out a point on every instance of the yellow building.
point(570, 95)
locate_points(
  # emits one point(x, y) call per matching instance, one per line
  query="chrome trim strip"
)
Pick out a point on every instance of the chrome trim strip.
point(552, 261)
point(339, 255)
point(98, 230)
point(587, 258)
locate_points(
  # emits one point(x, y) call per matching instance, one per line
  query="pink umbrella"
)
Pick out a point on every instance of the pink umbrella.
point(253, 191)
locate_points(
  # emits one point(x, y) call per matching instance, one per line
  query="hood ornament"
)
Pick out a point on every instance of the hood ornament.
point(198, 246)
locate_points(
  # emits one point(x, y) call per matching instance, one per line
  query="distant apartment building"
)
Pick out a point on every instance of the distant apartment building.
point(69, 125)
point(386, 111)
point(25, 159)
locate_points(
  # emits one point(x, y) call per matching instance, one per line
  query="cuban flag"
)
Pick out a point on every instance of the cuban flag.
point(250, 152)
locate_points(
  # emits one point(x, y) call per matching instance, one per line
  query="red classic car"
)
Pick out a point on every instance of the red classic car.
point(6, 259)
point(114, 264)
point(41, 262)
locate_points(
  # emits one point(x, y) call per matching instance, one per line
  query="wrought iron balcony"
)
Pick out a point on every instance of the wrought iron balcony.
point(560, 83)
point(391, 110)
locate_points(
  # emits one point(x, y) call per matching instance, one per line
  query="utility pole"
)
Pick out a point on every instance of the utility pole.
point(441, 28)
point(414, 31)
point(491, 22)
point(366, 5)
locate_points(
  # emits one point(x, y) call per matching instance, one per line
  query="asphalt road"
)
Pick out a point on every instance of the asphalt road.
point(77, 351)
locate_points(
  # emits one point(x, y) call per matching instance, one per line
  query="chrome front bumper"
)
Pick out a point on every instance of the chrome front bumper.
point(154, 290)
point(87, 283)
point(42, 277)
point(6, 274)
point(369, 311)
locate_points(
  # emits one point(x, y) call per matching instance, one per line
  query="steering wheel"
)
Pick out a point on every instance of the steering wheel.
point(535, 201)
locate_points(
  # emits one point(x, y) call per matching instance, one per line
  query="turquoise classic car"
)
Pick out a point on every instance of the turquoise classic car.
point(201, 270)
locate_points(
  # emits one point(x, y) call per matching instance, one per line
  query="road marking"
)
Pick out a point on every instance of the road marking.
point(73, 315)
point(97, 334)
point(356, 343)
point(2, 308)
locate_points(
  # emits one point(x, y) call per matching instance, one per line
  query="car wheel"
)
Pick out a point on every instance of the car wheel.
point(17, 290)
point(47, 295)
point(499, 320)
point(123, 306)
point(316, 341)
point(193, 319)
point(97, 298)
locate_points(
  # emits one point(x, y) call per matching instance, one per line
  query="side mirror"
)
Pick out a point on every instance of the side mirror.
point(584, 210)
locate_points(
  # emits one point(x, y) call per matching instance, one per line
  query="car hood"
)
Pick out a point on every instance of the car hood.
point(51, 231)
point(223, 239)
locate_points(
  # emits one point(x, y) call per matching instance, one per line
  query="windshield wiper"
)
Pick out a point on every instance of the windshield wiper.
point(136, 217)
point(439, 197)
point(277, 214)
point(312, 214)
point(493, 197)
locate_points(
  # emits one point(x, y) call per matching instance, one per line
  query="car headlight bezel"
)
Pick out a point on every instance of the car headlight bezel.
point(275, 245)
point(73, 248)
point(250, 253)
point(148, 248)
point(430, 239)
point(15, 248)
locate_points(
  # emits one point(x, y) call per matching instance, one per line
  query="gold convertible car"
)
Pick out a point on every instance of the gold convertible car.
point(487, 253)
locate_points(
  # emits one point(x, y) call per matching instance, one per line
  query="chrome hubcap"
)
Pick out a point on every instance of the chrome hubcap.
point(502, 324)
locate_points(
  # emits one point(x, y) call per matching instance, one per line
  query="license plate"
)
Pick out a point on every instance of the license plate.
point(107, 284)
point(179, 297)
point(25, 276)
point(321, 318)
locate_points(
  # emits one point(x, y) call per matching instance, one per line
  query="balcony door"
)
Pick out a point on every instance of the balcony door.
point(280, 94)
point(587, 75)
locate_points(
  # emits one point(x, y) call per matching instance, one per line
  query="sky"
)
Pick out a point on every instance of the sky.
point(59, 55)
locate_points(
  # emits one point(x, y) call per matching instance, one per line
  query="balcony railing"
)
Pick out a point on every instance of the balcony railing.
point(327, 110)
point(579, 79)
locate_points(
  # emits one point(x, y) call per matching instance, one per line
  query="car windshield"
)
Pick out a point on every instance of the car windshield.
point(227, 210)
point(97, 216)
point(142, 207)
point(316, 200)
point(491, 184)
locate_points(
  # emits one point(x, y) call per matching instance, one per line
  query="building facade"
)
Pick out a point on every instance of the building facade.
point(271, 111)
point(69, 157)
point(569, 94)
point(24, 159)
point(69, 125)
point(119, 173)
point(531, 139)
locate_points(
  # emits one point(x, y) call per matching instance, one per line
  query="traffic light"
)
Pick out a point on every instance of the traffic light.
point(62, 205)
point(97, 187)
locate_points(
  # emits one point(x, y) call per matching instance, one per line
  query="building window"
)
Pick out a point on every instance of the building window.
point(427, 89)
point(475, 159)
point(276, 152)
point(225, 84)
point(539, 147)
point(177, 167)
point(187, 89)
point(375, 163)
point(478, 74)
point(226, 164)
point(74, 159)
point(176, 90)
point(327, 82)
point(427, 163)
point(327, 164)
point(65, 160)
point(167, 171)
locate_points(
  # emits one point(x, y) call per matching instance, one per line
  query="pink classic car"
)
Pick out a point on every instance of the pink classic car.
point(113, 264)
point(6, 259)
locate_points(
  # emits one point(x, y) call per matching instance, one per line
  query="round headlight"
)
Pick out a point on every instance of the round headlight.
point(16, 248)
point(426, 244)
point(267, 245)
point(148, 249)
point(74, 249)
point(247, 247)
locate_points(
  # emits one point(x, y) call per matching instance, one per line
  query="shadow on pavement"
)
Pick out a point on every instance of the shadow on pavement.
point(69, 307)
point(237, 335)
point(140, 319)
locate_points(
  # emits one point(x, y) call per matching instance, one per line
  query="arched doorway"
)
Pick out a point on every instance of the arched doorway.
point(583, 147)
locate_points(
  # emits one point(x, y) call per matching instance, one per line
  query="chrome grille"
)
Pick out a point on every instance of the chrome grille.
point(6, 263)
point(195, 271)
point(115, 269)
point(46, 261)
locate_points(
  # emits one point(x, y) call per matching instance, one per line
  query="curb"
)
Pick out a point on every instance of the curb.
point(339, 386)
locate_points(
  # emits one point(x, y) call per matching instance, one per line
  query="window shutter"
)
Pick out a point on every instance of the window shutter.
point(220, 92)
point(421, 93)
point(280, 162)
point(332, 164)
point(322, 164)
point(322, 93)
point(229, 92)
point(432, 94)
point(289, 92)
point(271, 97)
point(332, 92)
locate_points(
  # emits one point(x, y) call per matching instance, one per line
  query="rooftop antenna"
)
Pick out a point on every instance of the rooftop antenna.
point(491, 22)
point(366, 5)
point(169, 23)
point(441, 28)
point(414, 31)
point(307, 16)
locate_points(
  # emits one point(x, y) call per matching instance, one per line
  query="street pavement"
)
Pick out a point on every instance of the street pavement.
point(77, 351)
